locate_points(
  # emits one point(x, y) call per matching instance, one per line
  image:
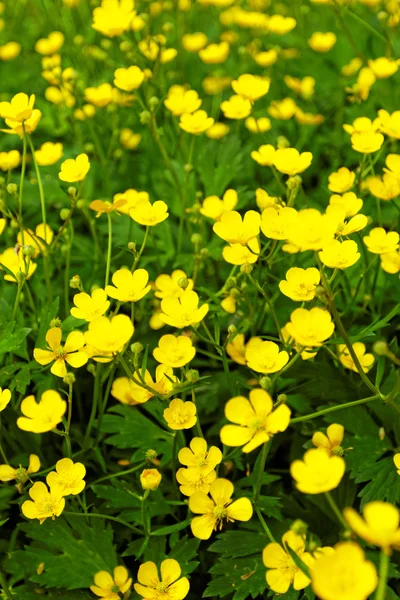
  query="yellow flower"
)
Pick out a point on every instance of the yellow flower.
point(383, 67)
point(171, 586)
point(251, 87)
point(193, 42)
point(100, 96)
point(266, 58)
point(396, 460)
point(236, 254)
point(265, 357)
point(380, 526)
point(182, 311)
point(19, 110)
point(264, 200)
point(390, 124)
point(310, 328)
point(128, 79)
point(37, 239)
point(46, 504)
point(291, 162)
point(198, 459)
point(214, 207)
point(331, 442)
point(255, 420)
point(304, 87)
point(300, 284)
point(9, 160)
point(322, 42)
point(349, 201)
point(3, 224)
point(217, 131)
point(43, 416)
point(313, 231)
point(174, 351)
point(352, 67)
point(367, 142)
point(260, 125)
point(131, 198)
point(180, 414)
point(191, 482)
point(21, 475)
point(265, 155)
point(236, 349)
point(280, 25)
point(168, 285)
point(339, 255)
point(113, 17)
point(282, 571)
point(108, 336)
point(317, 472)
point(73, 170)
point(50, 45)
point(217, 509)
point(90, 307)
point(237, 107)
point(67, 479)
point(234, 230)
point(305, 118)
point(26, 126)
point(215, 53)
point(150, 479)
point(129, 287)
point(305, 354)
point(379, 241)
point(386, 187)
point(390, 262)
point(10, 51)
point(5, 397)
point(278, 223)
point(48, 154)
point(228, 304)
point(149, 214)
point(366, 360)
point(127, 391)
point(282, 109)
point(196, 123)
point(59, 355)
point(180, 101)
point(341, 180)
point(109, 586)
point(344, 574)
point(128, 139)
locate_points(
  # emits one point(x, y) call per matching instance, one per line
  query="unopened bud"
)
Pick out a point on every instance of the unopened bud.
point(154, 102)
point(64, 214)
point(132, 246)
point(293, 183)
point(71, 191)
point(282, 398)
point(282, 142)
point(28, 251)
point(247, 269)
point(69, 379)
point(75, 282)
point(380, 348)
point(151, 454)
point(183, 283)
point(145, 117)
point(91, 368)
point(196, 239)
point(299, 527)
point(150, 479)
point(12, 189)
point(188, 168)
point(80, 204)
point(382, 433)
point(204, 252)
point(55, 323)
point(192, 375)
point(232, 329)
point(136, 348)
point(265, 382)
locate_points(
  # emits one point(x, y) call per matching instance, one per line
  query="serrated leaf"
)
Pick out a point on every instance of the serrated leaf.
point(235, 544)
point(242, 577)
point(11, 340)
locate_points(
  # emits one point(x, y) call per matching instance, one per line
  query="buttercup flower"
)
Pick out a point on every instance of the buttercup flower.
point(236, 349)
point(282, 570)
point(390, 262)
point(280, 25)
point(20, 108)
point(150, 479)
point(5, 397)
point(50, 45)
point(339, 255)
point(251, 87)
point(236, 254)
point(344, 574)
point(341, 181)
point(278, 223)
point(379, 241)
point(182, 311)
point(234, 230)
point(310, 328)
point(322, 42)
point(386, 187)
point(349, 201)
point(127, 391)
point(255, 420)
point(198, 459)
point(44, 505)
point(193, 42)
point(265, 357)
point(331, 442)
point(90, 307)
point(214, 207)
point(171, 586)
point(260, 125)
point(282, 109)
point(217, 509)
point(149, 214)
point(113, 17)
point(380, 525)
point(103, 207)
point(21, 475)
point(196, 123)
point(44, 415)
point(109, 586)
point(396, 460)
point(128, 79)
point(191, 481)
point(265, 155)
point(180, 414)
point(174, 351)
point(300, 284)
point(217, 131)
point(67, 479)
point(129, 287)
point(390, 124)
point(215, 53)
point(291, 162)
point(366, 360)
point(74, 170)
point(59, 355)
point(168, 285)
point(383, 67)
point(107, 337)
point(48, 154)
point(180, 100)
point(28, 238)
point(318, 472)
point(9, 160)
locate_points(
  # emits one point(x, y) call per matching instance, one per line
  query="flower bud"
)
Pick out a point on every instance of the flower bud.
point(293, 183)
point(69, 379)
point(151, 454)
point(188, 168)
point(12, 189)
point(145, 117)
point(80, 204)
point(196, 239)
point(282, 142)
point(204, 252)
point(382, 433)
point(380, 348)
point(265, 382)
point(232, 329)
point(125, 46)
point(150, 479)
point(154, 102)
point(75, 282)
point(132, 246)
point(91, 368)
point(183, 282)
point(28, 251)
point(192, 375)
point(282, 398)
point(55, 322)
point(299, 527)
point(247, 269)
point(64, 213)
point(136, 348)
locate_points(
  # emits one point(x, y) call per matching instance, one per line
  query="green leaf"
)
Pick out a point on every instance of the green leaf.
point(171, 528)
point(11, 340)
point(244, 577)
point(49, 312)
point(184, 551)
point(72, 552)
point(131, 429)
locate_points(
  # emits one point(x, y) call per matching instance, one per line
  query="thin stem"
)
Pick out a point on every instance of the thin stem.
point(333, 409)
point(147, 530)
point(106, 517)
point(336, 510)
point(271, 308)
point(40, 185)
point(263, 460)
point(197, 426)
point(109, 248)
point(383, 576)
point(17, 299)
point(21, 181)
point(185, 193)
point(95, 403)
point(265, 526)
point(142, 247)
point(287, 366)
point(5, 588)
point(119, 474)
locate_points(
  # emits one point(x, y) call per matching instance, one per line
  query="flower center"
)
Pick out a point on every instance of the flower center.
point(179, 416)
point(60, 353)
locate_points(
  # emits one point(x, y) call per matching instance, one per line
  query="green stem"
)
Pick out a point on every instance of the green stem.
point(17, 299)
point(287, 366)
point(278, 179)
point(109, 248)
point(142, 247)
point(265, 526)
point(120, 473)
point(197, 426)
point(106, 517)
point(21, 181)
point(383, 576)
point(185, 193)
point(95, 403)
point(40, 185)
point(263, 460)
point(146, 528)
point(5, 588)
point(336, 510)
point(333, 409)
point(271, 308)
